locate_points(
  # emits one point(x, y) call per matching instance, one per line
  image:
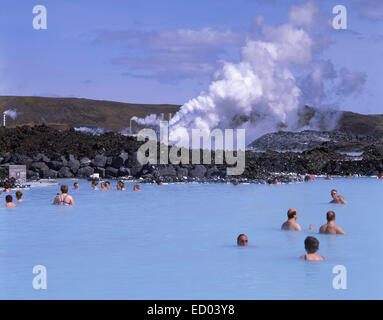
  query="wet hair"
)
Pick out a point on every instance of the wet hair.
point(8, 198)
point(311, 244)
point(239, 237)
point(75, 183)
point(64, 188)
point(7, 184)
point(136, 186)
point(291, 214)
point(120, 184)
point(19, 194)
point(94, 183)
point(330, 215)
point(107, 183)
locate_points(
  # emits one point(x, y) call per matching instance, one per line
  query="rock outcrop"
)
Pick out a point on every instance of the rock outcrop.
point(49, 153)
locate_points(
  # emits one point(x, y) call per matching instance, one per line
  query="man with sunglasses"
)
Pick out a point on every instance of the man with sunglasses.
point(337, 198)
point(242, 240)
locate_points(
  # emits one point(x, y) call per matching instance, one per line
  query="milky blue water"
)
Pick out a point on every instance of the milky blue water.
point(179, 242)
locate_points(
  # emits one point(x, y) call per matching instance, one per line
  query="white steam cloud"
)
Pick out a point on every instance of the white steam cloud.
point(93, 131)
point(266, 90)
point(150, 119)
point(11, 113)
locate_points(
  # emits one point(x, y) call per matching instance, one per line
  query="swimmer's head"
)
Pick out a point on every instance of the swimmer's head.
point(276, 181)
point(94, 183)
point(19, 194)
point(311, 244)
point(334, 193)
point(8, 198)
point(291, 213)
point(236, 183)
point(330, 216)
point(107, 183)
point(75, 185)
point(7, 184)
point(136, 187)
point(64, 188)
point(159, 182)
point(242, 240)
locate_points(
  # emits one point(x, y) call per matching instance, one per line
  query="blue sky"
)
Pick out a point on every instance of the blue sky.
point(167, 51)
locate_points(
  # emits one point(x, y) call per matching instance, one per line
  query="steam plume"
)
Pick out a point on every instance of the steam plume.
point(11, 113)
point(265, 91)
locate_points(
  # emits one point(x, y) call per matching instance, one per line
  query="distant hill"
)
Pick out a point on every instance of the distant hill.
point(353, 132)
point(350, 122)
point(63, 113)
point(363, 124)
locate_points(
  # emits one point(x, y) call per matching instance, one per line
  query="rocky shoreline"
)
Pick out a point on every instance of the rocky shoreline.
point(50, 153)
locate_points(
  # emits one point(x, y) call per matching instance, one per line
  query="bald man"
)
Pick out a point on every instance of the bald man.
point(290, 224)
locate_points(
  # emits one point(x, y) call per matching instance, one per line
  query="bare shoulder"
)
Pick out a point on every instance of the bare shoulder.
point(297, 227)
point(339, 230)
point(285, 226)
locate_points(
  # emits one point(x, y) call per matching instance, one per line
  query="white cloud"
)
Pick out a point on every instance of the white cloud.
point(303, 15)
point(170, 55)
point(186, 39)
